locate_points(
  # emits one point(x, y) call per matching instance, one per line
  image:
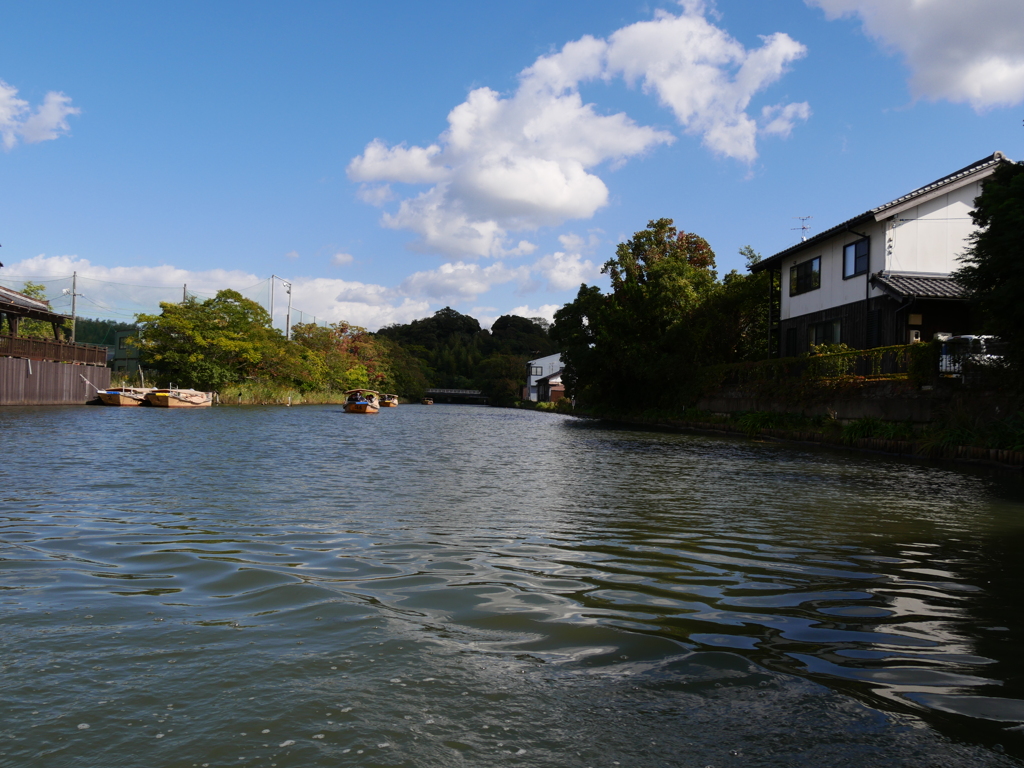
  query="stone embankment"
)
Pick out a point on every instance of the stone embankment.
point(906, 448)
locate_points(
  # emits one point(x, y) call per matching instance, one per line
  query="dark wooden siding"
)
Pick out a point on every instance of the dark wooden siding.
point(36, 382)
point(878, 322)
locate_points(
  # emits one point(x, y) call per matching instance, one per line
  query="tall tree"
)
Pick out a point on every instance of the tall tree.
point(667, 316)
point(993, 264)
point(207, 344)
point(35, 328)
point(339, 357)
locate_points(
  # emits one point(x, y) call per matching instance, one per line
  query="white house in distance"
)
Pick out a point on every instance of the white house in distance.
point(539, 369)
point(882, 277)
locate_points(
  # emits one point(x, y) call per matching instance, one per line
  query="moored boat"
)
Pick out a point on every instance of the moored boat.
point(124, 395)
point(362, 401)
point(179, 398)
point(389, 401)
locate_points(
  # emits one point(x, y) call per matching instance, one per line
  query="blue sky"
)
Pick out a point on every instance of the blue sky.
point(483, 156)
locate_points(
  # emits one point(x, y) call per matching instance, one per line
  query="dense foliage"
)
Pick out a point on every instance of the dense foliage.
point(228, 339)
point(33, 329)
point(207, 344)
point(216, 343)
point(95, 331)
point(993, 265)
point(668, 316)
point(451, 351)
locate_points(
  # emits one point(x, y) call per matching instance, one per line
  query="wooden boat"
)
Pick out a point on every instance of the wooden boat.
point(179, 398)
point(389, 401)
point(124, 395)
point(362, 401)
point(427, 401)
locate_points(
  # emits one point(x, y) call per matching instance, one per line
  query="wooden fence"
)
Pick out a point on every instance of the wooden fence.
point(51, 349)
point(41, 382)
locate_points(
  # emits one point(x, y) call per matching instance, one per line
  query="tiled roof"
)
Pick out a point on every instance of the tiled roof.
point(773, 261)
point(10, 296)
point(994, 159)
point(919, 286)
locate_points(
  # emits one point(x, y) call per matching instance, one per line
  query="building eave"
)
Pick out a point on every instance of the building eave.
point(967, 175)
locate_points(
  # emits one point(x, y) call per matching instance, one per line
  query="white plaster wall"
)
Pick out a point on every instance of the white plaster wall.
point(834, 291)
point(550, 364)
point(930, 237)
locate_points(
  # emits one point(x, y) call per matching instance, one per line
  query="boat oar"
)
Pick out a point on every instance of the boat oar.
point(98, 390)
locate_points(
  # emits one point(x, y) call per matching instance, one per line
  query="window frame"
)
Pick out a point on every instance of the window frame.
point(812, 275)
point(829, 332)
point(866, 256)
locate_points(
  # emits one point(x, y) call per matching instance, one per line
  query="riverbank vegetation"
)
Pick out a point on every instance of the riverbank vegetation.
point(668, 318)
point(992, 270)
point(227, 344)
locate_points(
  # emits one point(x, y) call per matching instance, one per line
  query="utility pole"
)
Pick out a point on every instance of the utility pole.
point(273, 281)
point(288, 317)
point(74, 296)
point(184, 293)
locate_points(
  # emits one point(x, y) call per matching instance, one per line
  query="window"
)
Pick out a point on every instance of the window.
point(855, 258)
point(791, 350)
point(823, 333)
point(805, 277)
point(536, 370)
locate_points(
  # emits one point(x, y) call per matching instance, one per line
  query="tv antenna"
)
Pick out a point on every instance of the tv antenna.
point(804, 226)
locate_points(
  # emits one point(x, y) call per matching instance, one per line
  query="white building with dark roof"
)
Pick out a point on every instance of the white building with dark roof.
point(538, 369)
point(882, 277)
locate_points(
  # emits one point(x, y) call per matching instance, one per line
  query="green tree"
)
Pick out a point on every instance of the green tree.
point(993, 264)
point(668, 315)
point(501, 378)
point(339, 357)
point(514, 335)
point(95, 331)
point(409, 373)
point(35, 329)
point(207, 344)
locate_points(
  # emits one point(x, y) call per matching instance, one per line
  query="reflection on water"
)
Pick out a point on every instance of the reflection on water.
point(467, 586)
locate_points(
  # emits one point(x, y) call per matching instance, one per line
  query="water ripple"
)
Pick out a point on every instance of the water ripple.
point(463, 585)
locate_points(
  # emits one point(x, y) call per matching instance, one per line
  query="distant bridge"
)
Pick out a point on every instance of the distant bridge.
point(464, 396)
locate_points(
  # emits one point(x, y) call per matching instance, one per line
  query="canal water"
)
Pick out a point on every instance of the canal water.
point(465, 586)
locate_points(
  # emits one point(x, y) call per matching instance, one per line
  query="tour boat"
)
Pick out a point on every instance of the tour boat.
point(362, 401)
point(427, 401)
point(124, 395)
point(389, 401)
point(179, 398)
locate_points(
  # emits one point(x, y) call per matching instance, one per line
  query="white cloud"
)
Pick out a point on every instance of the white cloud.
point(48, 121)
point(547, 311)
point(957, 51)
point(563, 271)
point(292, 255)
point(577, 243)
point(703, 75)
point(365, 304)
point(341, 259)
point(211, 280)
point(511, 163)
point(375, 194)
point(778, 120)
point(460, 281)
point(121, 292)
point(411, 165)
